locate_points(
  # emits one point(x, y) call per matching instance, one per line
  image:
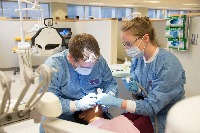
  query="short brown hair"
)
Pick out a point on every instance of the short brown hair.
point(140, 26)
point(83, 41)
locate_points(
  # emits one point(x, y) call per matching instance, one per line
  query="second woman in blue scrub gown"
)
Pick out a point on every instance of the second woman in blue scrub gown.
point(157, 70)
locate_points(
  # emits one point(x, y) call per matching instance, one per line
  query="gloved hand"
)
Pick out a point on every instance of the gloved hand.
point(131, 85)
point(87, 102)
point(109, 100)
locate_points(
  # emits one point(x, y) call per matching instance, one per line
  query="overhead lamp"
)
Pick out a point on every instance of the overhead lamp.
point(96, 3)
point(129, 5)
point(151, 1)
point(189, 4)
point(185, 8)
point(162, 7)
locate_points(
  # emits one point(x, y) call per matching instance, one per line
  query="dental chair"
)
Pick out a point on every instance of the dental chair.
point(47, 40)
point(184, 116)
point(46, 104)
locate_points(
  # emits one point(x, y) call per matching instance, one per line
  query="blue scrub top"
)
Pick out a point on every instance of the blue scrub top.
point(68, 85)
point(164, 80)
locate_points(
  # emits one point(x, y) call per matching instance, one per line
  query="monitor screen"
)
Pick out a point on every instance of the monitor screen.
point(65, 32)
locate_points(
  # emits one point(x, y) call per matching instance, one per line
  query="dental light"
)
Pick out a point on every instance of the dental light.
point(36, 6)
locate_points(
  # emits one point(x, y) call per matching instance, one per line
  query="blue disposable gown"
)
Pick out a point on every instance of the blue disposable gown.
point(68, 85)
point(164, 80)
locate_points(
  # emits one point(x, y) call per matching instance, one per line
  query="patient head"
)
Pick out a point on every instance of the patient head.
point(91, 114)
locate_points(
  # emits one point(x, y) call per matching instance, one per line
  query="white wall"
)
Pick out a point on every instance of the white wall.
point(191, 61)
point(160, 28)
point(9, 31)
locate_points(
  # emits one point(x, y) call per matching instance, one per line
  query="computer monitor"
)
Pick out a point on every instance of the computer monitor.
point(65, 32)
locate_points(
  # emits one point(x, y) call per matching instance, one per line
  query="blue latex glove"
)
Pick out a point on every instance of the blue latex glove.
point(109, 100)
point(131, 85)
point(87, 102)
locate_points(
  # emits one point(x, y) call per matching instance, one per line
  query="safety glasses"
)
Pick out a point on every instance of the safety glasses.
point(129, 44)
point(82, 66)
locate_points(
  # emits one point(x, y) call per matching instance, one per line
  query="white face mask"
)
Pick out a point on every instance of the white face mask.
point(83, 71)
point(134, 51)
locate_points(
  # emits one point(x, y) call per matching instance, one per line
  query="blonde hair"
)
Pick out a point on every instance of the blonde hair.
point(140, 26)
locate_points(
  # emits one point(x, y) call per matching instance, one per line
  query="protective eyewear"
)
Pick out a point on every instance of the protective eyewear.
point(81, 66)
point(129, 44)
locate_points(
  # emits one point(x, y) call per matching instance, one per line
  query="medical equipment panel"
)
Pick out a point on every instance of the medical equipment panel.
point(66, 34)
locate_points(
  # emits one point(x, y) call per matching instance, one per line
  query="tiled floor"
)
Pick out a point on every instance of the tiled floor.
point(27, 126)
